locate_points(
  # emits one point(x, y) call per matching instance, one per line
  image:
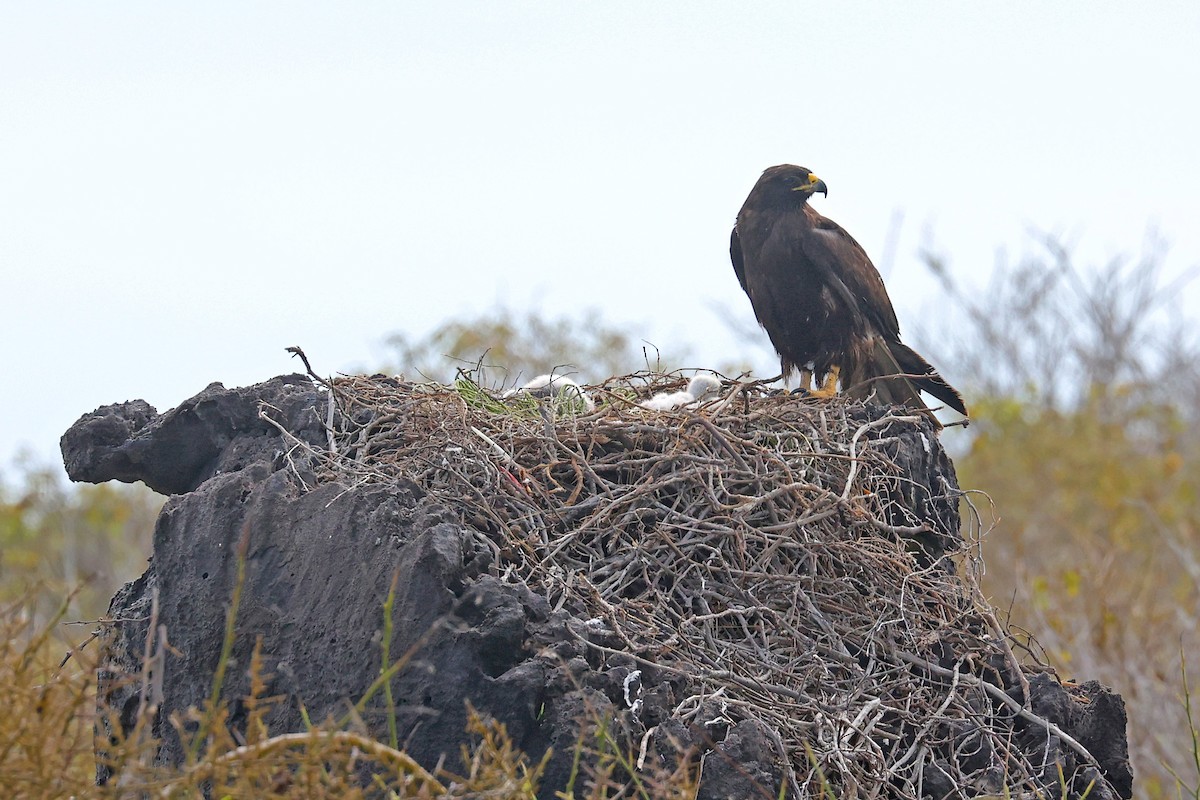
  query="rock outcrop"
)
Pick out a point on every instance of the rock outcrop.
point(254, 480)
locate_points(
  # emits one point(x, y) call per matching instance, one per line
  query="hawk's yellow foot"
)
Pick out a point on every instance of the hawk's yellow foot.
point(829, 387)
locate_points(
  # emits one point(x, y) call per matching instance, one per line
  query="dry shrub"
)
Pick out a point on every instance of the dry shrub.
point(57, 539)
point(45, 727)
point(1085, 401)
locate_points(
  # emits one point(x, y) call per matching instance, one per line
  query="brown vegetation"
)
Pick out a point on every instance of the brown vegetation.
point(1084, 439)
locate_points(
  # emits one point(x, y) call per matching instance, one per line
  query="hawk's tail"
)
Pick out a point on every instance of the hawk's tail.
point(891, 360)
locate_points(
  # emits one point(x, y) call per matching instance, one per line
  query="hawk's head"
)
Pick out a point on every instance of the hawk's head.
point(788, 184)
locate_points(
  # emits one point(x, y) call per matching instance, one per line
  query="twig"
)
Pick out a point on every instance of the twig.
point(1003, 697)
point(296, 351)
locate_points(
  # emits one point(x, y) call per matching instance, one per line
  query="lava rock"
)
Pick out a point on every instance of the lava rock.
point(217, 430)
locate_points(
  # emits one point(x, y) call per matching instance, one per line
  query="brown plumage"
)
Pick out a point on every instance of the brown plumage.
point(819, 297)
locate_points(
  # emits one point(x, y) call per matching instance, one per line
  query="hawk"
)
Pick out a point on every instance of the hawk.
point(821, 300)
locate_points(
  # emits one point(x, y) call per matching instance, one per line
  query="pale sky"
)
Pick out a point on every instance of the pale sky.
point(187, 189)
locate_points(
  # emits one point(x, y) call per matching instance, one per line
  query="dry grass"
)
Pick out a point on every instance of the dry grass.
point(45, 732)
point(46, 744)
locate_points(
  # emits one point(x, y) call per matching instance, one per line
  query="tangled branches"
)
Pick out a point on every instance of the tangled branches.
point(793, 558)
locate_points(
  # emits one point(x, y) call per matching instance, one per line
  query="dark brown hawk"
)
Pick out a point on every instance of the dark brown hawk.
point(821, 300)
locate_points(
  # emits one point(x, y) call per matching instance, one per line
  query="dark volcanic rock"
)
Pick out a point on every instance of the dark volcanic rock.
point(318, 571)
point(928, 495)
point(745, 763)
point(218, 430)
point(320, 560)
point(1095, 717)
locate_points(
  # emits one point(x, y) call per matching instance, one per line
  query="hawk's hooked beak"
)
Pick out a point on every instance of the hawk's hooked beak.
point(815, 185)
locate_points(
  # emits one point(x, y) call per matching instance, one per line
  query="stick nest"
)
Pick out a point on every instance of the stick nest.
point(790, 556)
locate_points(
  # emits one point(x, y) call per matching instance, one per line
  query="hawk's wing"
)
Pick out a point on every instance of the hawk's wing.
point(735, 255)
point(848, 270)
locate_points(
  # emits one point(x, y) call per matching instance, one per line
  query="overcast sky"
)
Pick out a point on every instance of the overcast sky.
point(187, 189)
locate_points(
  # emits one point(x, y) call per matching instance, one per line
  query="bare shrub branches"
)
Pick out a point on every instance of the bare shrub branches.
point(1045, 329)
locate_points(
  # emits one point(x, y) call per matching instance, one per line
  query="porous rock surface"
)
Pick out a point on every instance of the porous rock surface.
point(319, 562)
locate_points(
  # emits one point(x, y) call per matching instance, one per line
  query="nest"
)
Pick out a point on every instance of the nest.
point(790, 556)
